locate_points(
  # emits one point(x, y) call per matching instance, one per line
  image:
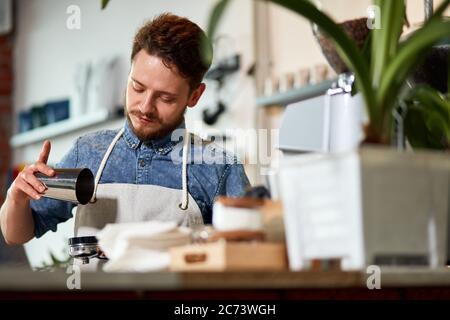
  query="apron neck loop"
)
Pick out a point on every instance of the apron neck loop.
point(103, 163)
point(184, 200)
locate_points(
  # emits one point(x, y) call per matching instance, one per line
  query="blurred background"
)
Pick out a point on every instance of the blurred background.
point(64, 65)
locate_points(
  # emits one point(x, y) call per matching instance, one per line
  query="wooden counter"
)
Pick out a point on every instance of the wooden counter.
point(396, 283)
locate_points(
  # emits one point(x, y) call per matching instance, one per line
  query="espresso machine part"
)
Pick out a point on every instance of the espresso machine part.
point(85, 248)
point(74, 185)
point(329, 123)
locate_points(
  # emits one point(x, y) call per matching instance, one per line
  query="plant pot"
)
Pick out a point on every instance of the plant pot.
point(356, 29)
point(373, 206)
point(405, 199)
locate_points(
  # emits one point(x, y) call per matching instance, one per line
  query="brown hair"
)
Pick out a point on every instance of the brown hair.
point(178, 42)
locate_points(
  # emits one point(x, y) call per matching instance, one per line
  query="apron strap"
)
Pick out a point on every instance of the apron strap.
point(184, 194)
point(185, 197)
point(103, 163)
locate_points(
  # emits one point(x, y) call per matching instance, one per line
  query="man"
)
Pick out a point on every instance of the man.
point(145, 171)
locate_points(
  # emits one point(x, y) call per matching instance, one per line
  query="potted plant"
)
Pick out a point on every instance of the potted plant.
point(390, 207)
point(427, 122)
point(381, 78)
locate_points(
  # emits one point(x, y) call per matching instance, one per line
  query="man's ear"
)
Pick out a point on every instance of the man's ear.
point(195, 95)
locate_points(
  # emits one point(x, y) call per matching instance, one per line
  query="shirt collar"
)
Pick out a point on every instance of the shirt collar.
point(130, 138)
point(162, 146)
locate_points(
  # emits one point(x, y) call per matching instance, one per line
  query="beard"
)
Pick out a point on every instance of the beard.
point(162, 129)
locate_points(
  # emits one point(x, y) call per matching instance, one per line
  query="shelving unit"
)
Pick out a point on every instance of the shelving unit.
point(60, 128)
point(82, 122)
point(295, 95)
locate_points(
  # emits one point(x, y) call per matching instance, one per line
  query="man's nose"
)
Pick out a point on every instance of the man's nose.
point(148, 105)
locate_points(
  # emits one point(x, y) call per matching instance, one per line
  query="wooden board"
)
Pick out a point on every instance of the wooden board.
point(229, 256)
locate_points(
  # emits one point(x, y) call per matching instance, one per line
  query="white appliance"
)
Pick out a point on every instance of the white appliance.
point(329, 123)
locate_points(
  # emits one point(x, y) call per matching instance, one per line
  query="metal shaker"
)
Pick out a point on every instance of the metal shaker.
point(74, 185)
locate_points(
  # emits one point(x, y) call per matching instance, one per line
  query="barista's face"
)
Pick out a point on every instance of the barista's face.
point(156, 97)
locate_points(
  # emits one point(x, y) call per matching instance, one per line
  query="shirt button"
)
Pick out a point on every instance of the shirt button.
point(142, 163)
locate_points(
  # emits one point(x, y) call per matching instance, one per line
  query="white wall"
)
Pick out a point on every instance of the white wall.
point(293, 44)
point(47, 53)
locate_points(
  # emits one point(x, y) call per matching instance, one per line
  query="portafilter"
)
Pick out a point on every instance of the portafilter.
point(85, 248)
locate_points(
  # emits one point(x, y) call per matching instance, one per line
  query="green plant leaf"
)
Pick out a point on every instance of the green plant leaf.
point(397, 21)
point(448, 75)
point(429, 96)
point(427, 123)
point(385, 39)
point(366, 50)
point(409, 55)
point(215, 16)
point(104, 4)
point(426, 129)
point(437, 130)
point(415, 128)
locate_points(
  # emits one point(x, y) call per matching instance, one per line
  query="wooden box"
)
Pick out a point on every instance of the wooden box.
point(229, 256)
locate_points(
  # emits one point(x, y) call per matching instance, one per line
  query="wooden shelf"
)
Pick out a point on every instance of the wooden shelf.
point(60, 128)
point(295, 95)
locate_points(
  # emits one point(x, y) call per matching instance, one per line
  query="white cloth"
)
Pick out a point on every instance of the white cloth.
point(140, 247)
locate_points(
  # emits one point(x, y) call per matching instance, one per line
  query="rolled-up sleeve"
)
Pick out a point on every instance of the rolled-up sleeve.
point(48, 213)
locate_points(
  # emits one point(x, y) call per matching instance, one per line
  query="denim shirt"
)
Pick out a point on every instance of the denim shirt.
point(210, 171)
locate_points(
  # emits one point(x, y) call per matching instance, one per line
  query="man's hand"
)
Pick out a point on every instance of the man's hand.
point(16, 218)
point(26, 185)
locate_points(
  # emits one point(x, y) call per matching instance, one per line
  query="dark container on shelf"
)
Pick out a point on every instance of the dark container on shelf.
point(38, 116)
point(57, 111)
point(25, 121)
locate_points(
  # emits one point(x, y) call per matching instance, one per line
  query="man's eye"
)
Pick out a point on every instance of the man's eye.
point(136, 88)
point(167, 100)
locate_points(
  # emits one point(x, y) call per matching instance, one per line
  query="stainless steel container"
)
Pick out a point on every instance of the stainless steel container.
point(74, 185)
